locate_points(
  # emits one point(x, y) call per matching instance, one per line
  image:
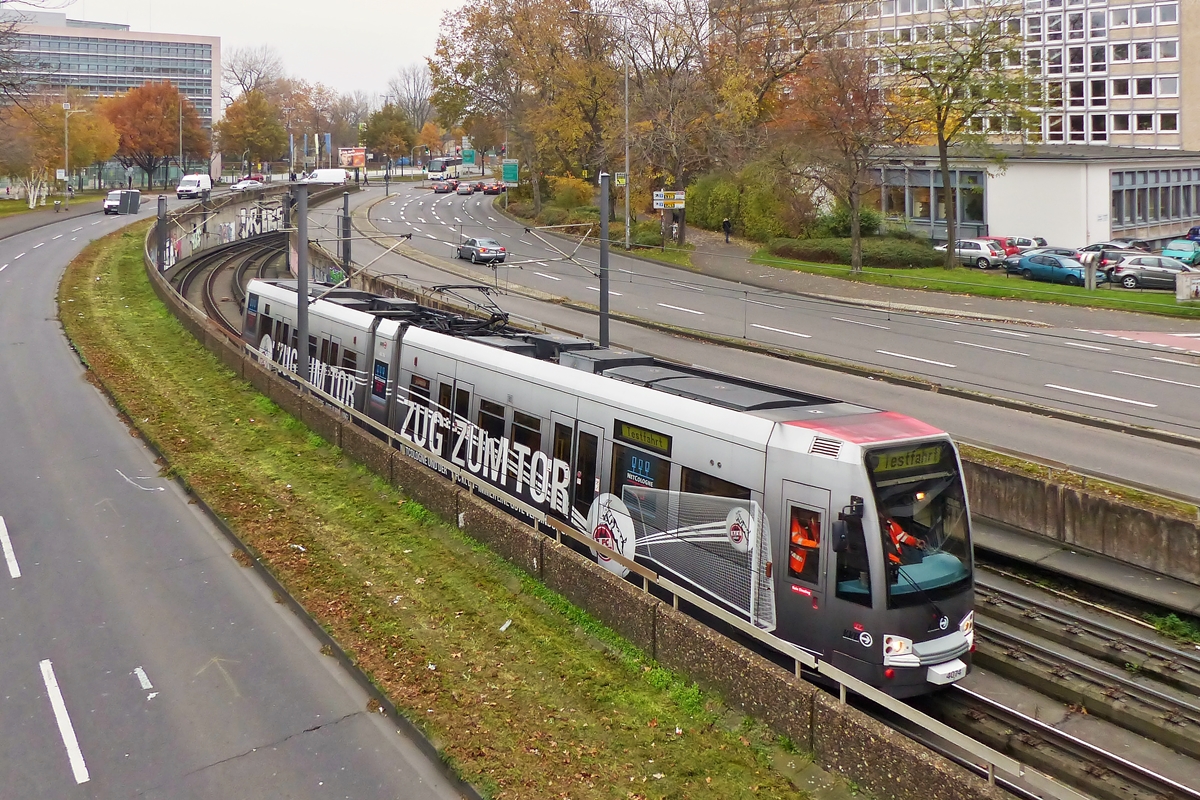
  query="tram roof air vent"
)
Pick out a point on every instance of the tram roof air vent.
point(826, 447)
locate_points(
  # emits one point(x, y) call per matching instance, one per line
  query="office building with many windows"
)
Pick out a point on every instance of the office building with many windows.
point(102, 59)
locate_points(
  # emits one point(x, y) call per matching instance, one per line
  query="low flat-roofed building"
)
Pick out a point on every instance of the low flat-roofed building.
point(1072, 195)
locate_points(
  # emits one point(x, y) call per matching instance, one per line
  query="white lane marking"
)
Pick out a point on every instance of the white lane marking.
point(1010, 333)
point(97, 222)
point(544, 275)
point(143, 679)
point(868, 324)
point(39, 244)
point(1088, 346)
point(1185, 335)
point(20, 256)
point(73, 238)
point(610, 291)
point(4, 268)
point(680, 308)
point(143, 488)
point(76, 230)
point(56, 237)
point(74, 754)
point(914, 358)
point(457, 219)
point(1156, 358)
point(761, 303)
point(9, 554)
point(522, 241)
point(947, 322)
point(685, 286)
point(491, 219)
point(1101, 396)
point(392, 203)
point(1152, 378)
point(502, 233)
point(431, 236)
point(997, 349)
point(777, 330)
point(422, 219)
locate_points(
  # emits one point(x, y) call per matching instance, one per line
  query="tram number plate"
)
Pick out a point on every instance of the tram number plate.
point(949, 672)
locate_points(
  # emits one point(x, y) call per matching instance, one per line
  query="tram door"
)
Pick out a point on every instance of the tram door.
point(586, 467)
point(805, 519)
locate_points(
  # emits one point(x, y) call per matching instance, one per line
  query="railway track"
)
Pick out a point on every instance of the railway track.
point(214, 281)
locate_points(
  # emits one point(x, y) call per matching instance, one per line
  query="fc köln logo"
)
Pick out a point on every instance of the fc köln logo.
point(610, 524)
point(739, 527)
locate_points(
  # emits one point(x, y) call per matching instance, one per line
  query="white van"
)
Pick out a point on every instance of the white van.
point(330, 176)
point(193, 186)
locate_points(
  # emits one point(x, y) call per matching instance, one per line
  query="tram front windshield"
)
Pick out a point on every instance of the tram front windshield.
point(923, 521)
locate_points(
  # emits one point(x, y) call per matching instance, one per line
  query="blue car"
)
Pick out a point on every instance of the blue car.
point(1056, 269)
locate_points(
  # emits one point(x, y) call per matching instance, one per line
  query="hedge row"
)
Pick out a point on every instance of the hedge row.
point(877, 252)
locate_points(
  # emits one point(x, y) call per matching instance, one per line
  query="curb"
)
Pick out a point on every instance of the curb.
point(403, 723)
point(803, 358)
point(46, 224)
point(831, 298)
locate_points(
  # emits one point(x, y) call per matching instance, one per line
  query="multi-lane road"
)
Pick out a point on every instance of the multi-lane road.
point(1149, 377)
point(137, 659)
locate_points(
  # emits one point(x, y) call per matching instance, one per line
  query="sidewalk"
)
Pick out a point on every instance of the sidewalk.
point(13, 224)
point(730, 261)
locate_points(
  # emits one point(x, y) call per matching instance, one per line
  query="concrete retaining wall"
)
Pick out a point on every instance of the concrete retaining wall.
point(1086, 520)
point(841, 738)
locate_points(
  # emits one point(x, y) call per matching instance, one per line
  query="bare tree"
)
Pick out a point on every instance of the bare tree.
point(251, 69)
point(410, 89)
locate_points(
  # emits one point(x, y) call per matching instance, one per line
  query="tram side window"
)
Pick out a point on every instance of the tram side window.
point(853, 566)
point(586, 482)
point(491, 418)
point(804, 545)
point(349, 360)
point(634, 467)
point(696, 482)
point(418, 390)
point(462, 404)
point(562, 442)
point(527, 430)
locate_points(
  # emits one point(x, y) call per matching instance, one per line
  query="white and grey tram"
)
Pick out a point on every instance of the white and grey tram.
point(841, 529)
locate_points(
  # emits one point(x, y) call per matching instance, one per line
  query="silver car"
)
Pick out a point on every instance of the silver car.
point(980, 253)
point(486, 251)
point(1146, 271)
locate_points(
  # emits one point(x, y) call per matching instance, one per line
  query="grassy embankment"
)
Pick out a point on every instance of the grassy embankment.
point(555, 705)
point(995, 283)
point(11, 207)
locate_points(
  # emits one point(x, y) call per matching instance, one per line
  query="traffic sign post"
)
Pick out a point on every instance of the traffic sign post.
point(468, 157)
point(669, 200)
point(511, 172)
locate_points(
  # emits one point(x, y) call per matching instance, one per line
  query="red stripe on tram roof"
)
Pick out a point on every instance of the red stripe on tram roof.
point(880, 426)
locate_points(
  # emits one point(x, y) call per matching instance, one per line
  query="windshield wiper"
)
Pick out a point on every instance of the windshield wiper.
point(922, 592)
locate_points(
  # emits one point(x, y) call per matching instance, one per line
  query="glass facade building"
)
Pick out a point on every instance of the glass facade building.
point(104, 60)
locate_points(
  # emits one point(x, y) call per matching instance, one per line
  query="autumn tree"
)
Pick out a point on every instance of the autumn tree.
point(966, 69)
point(840, 123)
point(147, 119)
point(250, 69)
point(431, 138)
point(251, 123)
point(31, 149)
point(389, 132)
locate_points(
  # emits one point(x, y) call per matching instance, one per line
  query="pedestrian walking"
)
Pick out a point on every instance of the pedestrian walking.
point(726, 226)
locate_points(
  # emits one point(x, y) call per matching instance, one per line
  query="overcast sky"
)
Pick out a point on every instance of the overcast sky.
point(354, 44)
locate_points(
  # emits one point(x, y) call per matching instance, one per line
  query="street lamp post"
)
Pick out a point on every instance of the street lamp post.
point(414, 154)
point(625, 60)
point(67, 112)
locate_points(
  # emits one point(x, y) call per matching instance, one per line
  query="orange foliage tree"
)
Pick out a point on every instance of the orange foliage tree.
point(148, 121)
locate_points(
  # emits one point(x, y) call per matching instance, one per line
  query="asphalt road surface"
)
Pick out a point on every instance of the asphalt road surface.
point(1147, 378)
point(137, 659)
point(1168, 467)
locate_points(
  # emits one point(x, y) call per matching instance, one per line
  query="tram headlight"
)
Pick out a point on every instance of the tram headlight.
point(967, 626)
point(896, 645)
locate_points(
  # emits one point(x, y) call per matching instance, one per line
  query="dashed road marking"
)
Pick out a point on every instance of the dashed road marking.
point(65, 729)
point(1088, 346)
point(856, 322)
point(997, 349)
point(1101, 396)
point(915, 358)
point(57, 237)
point(778, 330)
point(681, 308)
point(1010, 333)
point(20, 256)
point(610, 291)
point(10, 555)
point(1152, 378)
point(143, 679)
point(544, 275)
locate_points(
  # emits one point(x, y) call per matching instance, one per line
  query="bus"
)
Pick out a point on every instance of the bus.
point(444, 167)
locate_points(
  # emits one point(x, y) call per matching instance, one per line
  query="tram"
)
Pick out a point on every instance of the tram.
point(842, 529)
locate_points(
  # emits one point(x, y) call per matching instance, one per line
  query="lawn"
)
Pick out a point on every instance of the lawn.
point(527, 696)
point(995, 283)
point(12, 207)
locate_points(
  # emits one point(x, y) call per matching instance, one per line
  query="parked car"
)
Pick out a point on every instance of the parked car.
point(1012, 264)
point(982, 253)
point(1184, 250)
point(1007, 243)
point(1108, 258)
point(482, 251)
point(1149, 272)
point(465, 188)
point(246, 185)
point(1028, 242)
point(1134, 244)
point(1056, 269)
point(1194, 234)
point(441, 187)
